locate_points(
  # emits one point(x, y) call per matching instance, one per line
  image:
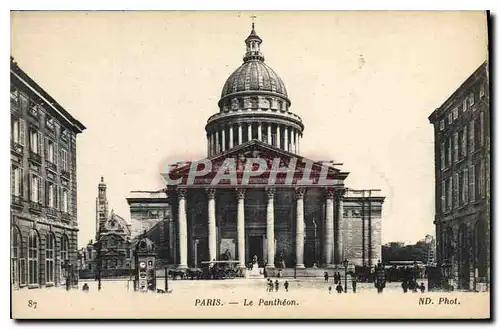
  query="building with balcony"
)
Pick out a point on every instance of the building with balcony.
point(44, 223)
point(462, 182)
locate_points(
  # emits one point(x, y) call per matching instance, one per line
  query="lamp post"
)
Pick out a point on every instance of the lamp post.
point(345, 263)
point(99, 264)
point(67, 269)
point(446, 269)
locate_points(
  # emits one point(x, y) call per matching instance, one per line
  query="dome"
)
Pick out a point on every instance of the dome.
point(254, 75)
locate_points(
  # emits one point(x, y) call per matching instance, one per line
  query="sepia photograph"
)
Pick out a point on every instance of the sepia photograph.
point(250, 165)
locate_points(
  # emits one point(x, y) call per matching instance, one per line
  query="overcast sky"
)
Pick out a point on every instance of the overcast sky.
point(145, 83)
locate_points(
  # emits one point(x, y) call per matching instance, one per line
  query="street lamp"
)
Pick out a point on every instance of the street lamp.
point(67, 269)
point(99, 264)
point(446, 265)
point(345, 263)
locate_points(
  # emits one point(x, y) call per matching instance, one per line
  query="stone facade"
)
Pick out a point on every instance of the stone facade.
point(297, 223)
point(43, 186)
point(462, 171)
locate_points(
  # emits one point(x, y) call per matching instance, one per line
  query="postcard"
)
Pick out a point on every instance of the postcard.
point(250, 165)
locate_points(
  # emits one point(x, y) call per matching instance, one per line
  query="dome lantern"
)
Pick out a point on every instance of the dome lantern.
point(253, 42)
point(254, 105)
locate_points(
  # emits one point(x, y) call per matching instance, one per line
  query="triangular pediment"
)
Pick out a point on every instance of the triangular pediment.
point(252, 158)
point(116, 224)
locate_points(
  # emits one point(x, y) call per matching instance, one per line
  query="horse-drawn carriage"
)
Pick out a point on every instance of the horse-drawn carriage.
point(210, 270)
point(219, 270)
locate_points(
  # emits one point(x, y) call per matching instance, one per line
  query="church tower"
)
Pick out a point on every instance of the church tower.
point(101, 207)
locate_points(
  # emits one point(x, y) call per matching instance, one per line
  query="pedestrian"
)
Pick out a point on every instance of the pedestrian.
point(404, 285)
point(286, 285)
point(271, 285)
point(415, 286)
point(422, 287)
point(267, 285)
point(330, 289)
point(339, 288)
point(85, 288)
point(354, 283)
point(326, 276)
point(276, 285)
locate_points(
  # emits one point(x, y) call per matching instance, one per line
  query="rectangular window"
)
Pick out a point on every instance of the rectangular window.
point(481, 180)
point(466, 185)
point(455, 113)
point(441, 125)
point(49, 150)
point(15, 130)
point(481, 91)
point(481, 128)
point(455, 146)
point(449, 159)
point(442, 152)
point(464, 142)
point(16, 181)
point(460, 191)
point(22, 271)
point(471, 136)
point(33, 141)
point(450, 118)
point(14, 94)
point(471, 99)
point(443, 196)
point(472, 183)
point(50, 194)
point(450, 193)
point(65, 201)
point(464, 106)
point(35, 189)
point(455, 190)
point(64, 159)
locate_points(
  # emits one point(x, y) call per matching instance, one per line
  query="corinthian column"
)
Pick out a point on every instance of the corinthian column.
point(240, 226)
point(217, 146)
point(269, 135)
point(329, 233)
point(285, 147)
point(182, 216)
point(223, 139)
point(270, 227)
point(259, 131)
point(212, 237)
point(278, 136)
point(231, 136)
point(299, 234)
point(249, 131)
point(240, 134)
point(338, 226)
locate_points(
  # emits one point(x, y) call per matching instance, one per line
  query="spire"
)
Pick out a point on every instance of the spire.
point(253, 42)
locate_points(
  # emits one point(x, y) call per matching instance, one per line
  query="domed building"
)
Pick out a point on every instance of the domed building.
point(254, 105)
point(254, 199)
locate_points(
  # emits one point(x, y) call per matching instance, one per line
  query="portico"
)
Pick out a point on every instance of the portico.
point(299, 224)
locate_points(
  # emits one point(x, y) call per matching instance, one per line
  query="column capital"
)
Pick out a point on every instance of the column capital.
point(270, 192)
point(240, 193)
point(181, 192)
point(210, 192)
point(299, 192)
point(329, 193)
point(339, 193)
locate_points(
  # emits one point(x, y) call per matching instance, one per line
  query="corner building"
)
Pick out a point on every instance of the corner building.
point(289, 222)
point(462, 177)
point(43, 185)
